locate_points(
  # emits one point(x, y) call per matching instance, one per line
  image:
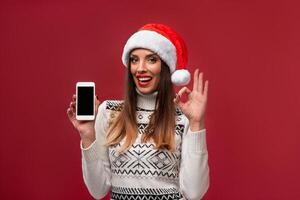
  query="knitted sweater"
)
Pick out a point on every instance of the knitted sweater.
point(143, 172)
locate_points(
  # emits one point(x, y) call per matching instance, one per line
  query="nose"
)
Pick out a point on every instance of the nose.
point(141, 67)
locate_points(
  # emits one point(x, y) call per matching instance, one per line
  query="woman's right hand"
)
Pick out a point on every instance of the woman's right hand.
point(86, 129)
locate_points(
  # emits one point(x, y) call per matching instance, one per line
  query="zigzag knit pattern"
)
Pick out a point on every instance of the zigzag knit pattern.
point(175, 196)
point(144, 160)
point(116, 105)
point(146, 191)
point(122, 193)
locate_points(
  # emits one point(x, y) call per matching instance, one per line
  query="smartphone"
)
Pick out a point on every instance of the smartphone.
point(85, 100)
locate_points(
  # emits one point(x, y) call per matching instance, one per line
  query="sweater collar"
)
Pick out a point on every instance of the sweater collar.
point(146, 101)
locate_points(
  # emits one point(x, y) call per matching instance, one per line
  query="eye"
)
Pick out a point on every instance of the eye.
point(152, 59)
point(133, 60)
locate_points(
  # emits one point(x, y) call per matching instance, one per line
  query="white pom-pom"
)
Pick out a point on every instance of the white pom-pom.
point(181, 77)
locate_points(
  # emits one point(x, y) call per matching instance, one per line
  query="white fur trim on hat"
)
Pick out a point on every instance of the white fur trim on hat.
point(181, 77)
point(153, 41)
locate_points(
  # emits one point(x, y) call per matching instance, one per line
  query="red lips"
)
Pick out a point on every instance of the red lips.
point(145, 82)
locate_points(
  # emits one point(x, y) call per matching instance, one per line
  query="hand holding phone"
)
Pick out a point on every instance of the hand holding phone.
point(84, 127)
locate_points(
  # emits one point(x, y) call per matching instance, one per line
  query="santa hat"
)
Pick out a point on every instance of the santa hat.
point(168, 45)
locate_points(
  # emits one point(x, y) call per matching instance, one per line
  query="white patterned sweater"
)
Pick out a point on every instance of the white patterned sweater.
point(143, 172)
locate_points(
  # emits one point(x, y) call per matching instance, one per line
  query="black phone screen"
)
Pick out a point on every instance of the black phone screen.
point(85, 100)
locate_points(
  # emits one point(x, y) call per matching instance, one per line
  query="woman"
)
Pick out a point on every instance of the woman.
point(152, 145)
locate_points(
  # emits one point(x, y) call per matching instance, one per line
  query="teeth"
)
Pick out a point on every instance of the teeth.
point(145, 79)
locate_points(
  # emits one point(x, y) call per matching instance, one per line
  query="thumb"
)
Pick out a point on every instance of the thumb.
point(177, 101)
point(97, 103)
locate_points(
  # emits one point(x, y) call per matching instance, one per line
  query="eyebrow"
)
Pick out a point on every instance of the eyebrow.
point(147, 56)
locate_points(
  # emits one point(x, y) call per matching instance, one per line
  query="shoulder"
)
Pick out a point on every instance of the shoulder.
point(106, 110)
point(111, 105)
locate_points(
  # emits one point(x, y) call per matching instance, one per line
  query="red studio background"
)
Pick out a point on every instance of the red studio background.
point(248, 50)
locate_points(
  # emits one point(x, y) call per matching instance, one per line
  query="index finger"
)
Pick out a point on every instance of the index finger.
point(195, 84)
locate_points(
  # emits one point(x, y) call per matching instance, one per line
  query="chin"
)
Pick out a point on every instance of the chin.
point(146, 90)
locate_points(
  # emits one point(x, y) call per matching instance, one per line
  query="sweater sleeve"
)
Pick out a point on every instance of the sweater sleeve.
point(95, 161)
point(194, 169)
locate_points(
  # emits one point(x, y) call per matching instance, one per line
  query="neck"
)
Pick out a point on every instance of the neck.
point(146, 101)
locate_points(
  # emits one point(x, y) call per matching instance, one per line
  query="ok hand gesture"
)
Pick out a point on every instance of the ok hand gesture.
point(194, 108)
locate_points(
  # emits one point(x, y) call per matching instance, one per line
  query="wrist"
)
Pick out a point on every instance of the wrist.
point(86, 142)
point(87, 139)
point(197, 126)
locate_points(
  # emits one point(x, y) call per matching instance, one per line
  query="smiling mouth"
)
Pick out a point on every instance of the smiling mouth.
point(143, 81)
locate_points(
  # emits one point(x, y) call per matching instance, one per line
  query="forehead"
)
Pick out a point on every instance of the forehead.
point(142, 52)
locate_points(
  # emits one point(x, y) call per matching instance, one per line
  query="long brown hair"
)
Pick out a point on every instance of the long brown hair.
point(161, 127)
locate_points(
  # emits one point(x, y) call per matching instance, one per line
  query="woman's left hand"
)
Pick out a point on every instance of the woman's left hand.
point(194, 108)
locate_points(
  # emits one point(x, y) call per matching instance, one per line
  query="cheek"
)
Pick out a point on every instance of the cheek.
point(156, 69)
point(132, 69)
point(157, 79)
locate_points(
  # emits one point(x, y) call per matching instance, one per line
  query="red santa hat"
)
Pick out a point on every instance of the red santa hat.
point(168, 45)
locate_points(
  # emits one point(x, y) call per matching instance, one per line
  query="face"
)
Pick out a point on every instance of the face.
point(145, 69)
